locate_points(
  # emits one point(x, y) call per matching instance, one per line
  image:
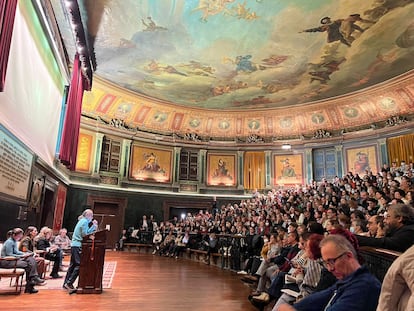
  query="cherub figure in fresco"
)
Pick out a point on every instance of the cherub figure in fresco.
point(155, 68)
point(212, 7)
point(244, 13)
point(150, 25)
point(151, 163)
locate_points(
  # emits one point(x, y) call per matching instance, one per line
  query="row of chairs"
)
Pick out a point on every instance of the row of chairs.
point(14, 273)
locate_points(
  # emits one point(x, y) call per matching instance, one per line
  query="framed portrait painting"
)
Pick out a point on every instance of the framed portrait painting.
point(150, 164)
point(288, 169)
point(360, 160)
point(85, 152)
point(221, 170)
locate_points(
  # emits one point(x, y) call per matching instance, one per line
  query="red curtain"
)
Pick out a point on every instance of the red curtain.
point(7, 14)
point(70, 135)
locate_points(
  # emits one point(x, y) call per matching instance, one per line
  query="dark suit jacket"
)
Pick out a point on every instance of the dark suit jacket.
point(285, 265)
point(399, 240)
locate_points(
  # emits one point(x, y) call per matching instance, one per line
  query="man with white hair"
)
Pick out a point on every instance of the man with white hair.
point(85, 226)
point(356, 288)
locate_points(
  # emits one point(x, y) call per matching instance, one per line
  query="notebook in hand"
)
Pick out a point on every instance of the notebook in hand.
point(289, 279)
point(290, 292)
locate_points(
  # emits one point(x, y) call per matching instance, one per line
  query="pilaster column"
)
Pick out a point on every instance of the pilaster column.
point(339, 160)
point(240, 169)
point(202, 164)
point(383, 151)
point(126, 151)
point(308, 165)
point(268, 169)
point(98, 151)
point(176, 166)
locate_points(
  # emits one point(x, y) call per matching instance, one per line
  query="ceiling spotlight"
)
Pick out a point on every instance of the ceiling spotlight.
point(286, 146)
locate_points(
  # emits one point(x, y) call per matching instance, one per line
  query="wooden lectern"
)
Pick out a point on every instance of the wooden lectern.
point(92, 263)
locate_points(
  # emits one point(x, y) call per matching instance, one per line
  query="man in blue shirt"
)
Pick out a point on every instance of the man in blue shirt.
point(85, 226)
point(356, 289)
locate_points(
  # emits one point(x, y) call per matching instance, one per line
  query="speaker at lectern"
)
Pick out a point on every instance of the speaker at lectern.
point(92, 263)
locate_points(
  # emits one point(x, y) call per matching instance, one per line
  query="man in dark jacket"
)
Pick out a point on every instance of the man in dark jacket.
point(282, 265)
point(399, 226)
point(356, 289)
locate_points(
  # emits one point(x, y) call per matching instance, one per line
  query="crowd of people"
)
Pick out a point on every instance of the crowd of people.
point(270, 237)
point(32, 250)
point(296, 247)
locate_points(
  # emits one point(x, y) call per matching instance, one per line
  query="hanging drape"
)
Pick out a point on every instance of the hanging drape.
point(7, 14)
point(401, 148)
point(70, 135)
point(62, 119)
point(254, 170)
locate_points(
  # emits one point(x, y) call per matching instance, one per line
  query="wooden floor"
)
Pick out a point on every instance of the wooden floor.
point(147, 282)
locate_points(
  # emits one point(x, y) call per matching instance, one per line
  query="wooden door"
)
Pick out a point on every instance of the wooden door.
point(110, 213)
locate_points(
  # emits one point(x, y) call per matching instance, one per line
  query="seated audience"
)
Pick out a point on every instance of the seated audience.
point(282, 265)
point(273, 246)
point(397, 291)
point(121, 241)
point(211, 243)
point(330, 225)
point(52, 252)
point(25, 261)
point(156, 242)
point(356, 289)
point(399, 228)
point(357, 227)
point(167, 244)
point(62, 240)
point(375, 227)
point(251, 250)
point(312, 274)
point(180, 244)
point(27, 245)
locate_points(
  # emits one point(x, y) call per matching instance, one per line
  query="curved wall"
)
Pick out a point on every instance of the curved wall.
point(325, 157)
point(351, 112)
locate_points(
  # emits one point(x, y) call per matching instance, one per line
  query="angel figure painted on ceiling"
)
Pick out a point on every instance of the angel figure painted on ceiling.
point(212, 7)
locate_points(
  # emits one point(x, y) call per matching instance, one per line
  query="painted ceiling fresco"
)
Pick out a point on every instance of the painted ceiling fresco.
point(233, 56)
point(238, 54)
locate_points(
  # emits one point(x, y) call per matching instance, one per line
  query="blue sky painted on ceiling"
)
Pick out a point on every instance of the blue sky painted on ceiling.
point(252, 53)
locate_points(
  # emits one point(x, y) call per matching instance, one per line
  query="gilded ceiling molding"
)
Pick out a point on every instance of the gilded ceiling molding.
point(370, 108)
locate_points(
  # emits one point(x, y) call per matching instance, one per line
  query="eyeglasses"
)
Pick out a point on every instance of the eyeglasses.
point(331, 262)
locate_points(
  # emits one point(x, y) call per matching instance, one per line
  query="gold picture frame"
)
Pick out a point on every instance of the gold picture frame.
point(360, 159)
point(151, 164)
point(288, 169)
point(84, 153)
point(221, 170)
